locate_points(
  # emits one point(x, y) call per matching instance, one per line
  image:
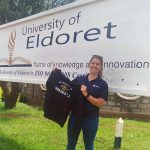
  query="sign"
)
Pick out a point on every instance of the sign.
point(67, 37)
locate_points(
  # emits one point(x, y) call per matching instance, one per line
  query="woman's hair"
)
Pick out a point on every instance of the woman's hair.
point(100, 58)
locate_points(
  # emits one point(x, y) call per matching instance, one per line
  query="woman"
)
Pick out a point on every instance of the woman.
point(95, 92)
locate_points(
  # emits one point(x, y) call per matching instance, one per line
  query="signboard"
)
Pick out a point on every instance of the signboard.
point(67, 37)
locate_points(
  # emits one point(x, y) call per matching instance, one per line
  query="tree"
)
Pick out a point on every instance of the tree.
point(11, 92)
point(11, 10)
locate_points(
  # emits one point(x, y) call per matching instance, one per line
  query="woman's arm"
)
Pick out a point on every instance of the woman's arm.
point(95, 101)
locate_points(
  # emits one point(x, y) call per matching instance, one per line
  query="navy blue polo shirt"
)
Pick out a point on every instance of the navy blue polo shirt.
point(97, 88)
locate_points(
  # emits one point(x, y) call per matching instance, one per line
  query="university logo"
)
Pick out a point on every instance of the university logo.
point(63, 88)
point(10, 61)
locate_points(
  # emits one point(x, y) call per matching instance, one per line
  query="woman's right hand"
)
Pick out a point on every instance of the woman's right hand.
point(55, 68)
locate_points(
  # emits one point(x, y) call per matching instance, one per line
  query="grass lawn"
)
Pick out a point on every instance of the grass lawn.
point(25, 128)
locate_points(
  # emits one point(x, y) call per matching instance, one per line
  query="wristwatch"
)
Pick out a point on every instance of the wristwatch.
point(87, 95)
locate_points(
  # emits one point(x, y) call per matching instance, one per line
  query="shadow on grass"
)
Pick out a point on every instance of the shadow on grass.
point(11, 116)
point(6, 115)
point(9, 144)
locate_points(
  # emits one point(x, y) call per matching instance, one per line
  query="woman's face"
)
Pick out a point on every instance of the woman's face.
point(95, 66)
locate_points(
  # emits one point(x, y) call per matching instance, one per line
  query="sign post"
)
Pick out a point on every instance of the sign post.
point(118, 134)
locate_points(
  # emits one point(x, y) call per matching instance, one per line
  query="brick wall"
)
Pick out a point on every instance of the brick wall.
point(115, 106)
point(140, 105)
point(33, 94)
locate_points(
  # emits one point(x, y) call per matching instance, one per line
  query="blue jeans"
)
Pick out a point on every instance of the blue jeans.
point(89, 128)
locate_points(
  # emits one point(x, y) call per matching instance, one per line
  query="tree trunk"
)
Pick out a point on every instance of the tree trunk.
point(10, 93)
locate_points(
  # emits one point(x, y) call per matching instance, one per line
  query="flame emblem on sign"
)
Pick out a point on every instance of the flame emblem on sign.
point(10, 61)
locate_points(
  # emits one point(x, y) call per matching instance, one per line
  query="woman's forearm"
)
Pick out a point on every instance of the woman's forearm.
point(96, 101)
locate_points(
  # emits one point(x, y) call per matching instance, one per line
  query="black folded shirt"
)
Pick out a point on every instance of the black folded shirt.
point(62, 96)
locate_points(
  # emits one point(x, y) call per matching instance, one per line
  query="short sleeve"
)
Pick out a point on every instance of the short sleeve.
point(104, 91)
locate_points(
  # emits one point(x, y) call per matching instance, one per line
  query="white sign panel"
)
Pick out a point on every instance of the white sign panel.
point(68, 36)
